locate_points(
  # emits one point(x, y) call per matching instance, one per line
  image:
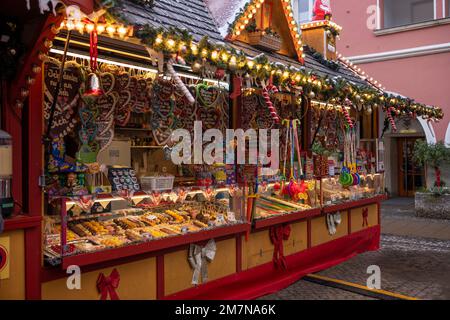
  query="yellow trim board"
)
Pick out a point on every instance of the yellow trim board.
point(355, 285)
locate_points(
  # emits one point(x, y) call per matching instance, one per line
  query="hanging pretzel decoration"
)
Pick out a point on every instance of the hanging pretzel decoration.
point(269, 104)
point(391, 119)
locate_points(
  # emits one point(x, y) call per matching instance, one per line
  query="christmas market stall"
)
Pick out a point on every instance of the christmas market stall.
point(125, 168)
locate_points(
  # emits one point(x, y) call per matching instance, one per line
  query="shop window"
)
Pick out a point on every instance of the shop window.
point(446, 9)
point(405, 12)
point(303, 10)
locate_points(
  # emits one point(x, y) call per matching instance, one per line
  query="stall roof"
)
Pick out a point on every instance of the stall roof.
point(311, 64)
point(192, 15)
point(195, 16)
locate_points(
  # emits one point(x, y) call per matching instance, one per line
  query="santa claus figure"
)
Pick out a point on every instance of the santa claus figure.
point(322, 10)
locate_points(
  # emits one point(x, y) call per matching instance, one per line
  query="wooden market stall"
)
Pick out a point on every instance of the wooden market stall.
point(93, 110)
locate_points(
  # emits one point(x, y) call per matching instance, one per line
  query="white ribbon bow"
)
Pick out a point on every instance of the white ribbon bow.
point(198, 259)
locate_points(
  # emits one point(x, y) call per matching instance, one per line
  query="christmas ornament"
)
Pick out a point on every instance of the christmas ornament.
point(266, 96)
point(391, 119)
point(180, 84)
point(93, 88)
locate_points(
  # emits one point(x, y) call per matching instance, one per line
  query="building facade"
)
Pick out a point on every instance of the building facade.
point(405, 45)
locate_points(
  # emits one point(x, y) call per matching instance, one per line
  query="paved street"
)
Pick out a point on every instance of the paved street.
point(414, 260)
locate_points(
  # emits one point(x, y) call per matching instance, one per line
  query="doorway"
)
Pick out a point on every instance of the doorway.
point(411, 175)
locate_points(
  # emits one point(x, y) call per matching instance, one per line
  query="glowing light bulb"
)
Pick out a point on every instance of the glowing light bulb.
point(122, 31)
point(170, 43)
point(158, 40)
point(110, 29)
point(250, 64)
point(90, 27)
point(100, 28)
point(80, 26)
point(70, 25)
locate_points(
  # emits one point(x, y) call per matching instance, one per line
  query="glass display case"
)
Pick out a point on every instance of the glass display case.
point(369, 185)
point(279, 199)
point(90, 224)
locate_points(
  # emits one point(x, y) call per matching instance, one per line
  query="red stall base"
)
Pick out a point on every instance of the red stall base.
point(265, 279)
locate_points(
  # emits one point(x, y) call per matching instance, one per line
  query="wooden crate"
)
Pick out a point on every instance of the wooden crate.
point(264, 41)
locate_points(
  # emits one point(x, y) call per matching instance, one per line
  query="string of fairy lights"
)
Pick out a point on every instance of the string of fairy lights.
point(173, 41)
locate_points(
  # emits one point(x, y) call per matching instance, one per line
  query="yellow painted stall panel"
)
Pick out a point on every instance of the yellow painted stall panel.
point(298, 239)
point(257, 250)
point(319, 230)
point(178, 272)
point(357, 217)
point(12, 285)
point(137, 281)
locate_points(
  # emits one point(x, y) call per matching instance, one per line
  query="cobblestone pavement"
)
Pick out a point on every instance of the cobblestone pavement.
point(416, 266)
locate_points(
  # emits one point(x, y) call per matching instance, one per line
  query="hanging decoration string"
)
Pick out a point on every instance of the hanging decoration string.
point(93, 50)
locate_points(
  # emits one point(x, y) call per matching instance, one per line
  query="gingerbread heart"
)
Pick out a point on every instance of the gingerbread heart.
point(210, 117)
point(162, 135)
point(122, 81)
point(69, 92)
point(107, 81)
point(106, 105)
point(132, 86)
point(124, 98)
point(103, 126)
point(122, 116)
point(163, 89)
point(207, 95)
point(105, 139)
point(64, 119)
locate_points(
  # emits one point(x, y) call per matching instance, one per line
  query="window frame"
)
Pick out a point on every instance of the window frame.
point(297, 13)
point(381, 16)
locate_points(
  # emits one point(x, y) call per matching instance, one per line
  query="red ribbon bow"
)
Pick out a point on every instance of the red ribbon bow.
point(277, 235)
point(365, 216)
point(108, 285)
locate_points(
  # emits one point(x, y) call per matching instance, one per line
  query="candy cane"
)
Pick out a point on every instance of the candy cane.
point(179, 82)
point(347, 116)
point(391, 119)
point(273, 111)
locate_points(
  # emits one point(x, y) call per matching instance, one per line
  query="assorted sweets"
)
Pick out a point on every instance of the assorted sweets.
point(285, 198)
point(368, 185)
point(124, 227)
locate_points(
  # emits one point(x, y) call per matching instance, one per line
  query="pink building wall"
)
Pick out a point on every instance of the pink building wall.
point(424, 78)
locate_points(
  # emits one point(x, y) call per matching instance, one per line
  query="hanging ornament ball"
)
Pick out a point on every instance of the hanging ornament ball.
point(358, 97)
point(311, 95)
point(219, 74)
point(368, 110)
point(196, 67)
point(375, 106)
point(183, 49)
